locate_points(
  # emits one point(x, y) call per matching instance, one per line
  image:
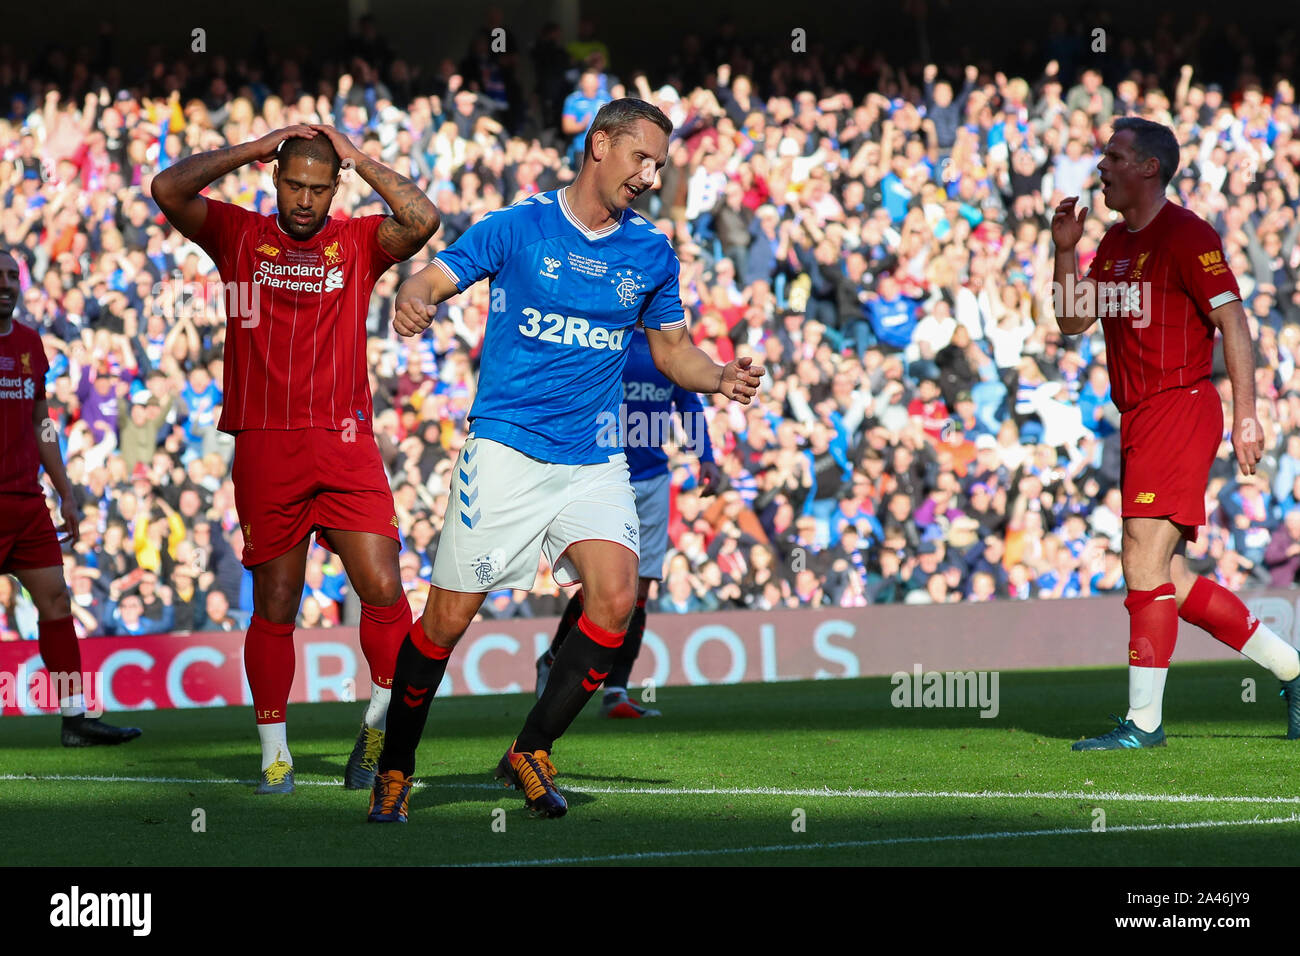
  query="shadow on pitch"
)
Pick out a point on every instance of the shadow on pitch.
point(442, 790)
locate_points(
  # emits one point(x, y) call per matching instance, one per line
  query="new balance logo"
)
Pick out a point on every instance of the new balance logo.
point(1145, 498)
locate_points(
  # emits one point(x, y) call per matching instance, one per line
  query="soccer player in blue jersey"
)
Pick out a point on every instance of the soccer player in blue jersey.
point(649, 401)
point(572, 272)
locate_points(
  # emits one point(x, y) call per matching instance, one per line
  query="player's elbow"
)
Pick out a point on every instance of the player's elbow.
point(160, 188)
point(425, 222)
point(168, 199)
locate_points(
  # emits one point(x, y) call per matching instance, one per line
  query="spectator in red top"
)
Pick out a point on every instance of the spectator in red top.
point(929, 411)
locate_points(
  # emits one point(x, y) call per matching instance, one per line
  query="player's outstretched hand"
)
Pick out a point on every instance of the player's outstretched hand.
point(740, 380)
point(1248, 443)
point(269, 143)
point(413, 317)
point(1067, 226)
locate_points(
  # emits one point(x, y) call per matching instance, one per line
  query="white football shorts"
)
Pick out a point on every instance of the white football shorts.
point(505, 509)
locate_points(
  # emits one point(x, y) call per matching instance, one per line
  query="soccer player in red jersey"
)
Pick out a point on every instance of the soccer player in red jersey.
point(297, 398)
point(1161, 287)
point(29, 545)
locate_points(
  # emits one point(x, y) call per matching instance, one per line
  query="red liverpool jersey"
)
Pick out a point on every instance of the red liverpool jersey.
point(1155, 290)
point(296, 319)
point(22, 385)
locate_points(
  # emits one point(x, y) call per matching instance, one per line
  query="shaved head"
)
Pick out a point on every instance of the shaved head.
point(318, 149)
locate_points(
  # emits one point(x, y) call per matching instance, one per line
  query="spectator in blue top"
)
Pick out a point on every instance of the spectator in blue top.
point(762, 256)
point(201, 396)
point(127, 616)
point(898, 198)
point(580, 108)
point(941, 107)
point(1094, 402)
point(893, 315)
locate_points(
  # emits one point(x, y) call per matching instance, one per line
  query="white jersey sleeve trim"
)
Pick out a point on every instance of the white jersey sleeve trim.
point(1223, 298)
point(447, 270)
point(668, 326)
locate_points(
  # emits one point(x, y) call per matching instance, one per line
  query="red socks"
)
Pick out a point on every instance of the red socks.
point(269, 660)
point(425, 646)
point(58, 646)
point(1216, 610)
point(382, 630)
point(598, 634)
point(1153, 626)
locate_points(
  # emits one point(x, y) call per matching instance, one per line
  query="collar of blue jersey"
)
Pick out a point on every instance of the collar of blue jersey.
point(577, 223)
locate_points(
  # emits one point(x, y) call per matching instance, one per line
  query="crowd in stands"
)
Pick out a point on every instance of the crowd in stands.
point(876, 235)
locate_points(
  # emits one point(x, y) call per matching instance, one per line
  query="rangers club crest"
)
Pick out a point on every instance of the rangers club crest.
point(626, 286)
point(487, 566)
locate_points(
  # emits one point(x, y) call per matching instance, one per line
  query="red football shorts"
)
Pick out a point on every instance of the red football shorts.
point(27, 536)
point(1167, 446)
point(290, 483)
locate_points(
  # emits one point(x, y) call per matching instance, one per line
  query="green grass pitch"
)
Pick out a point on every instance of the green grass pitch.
point(807, 773)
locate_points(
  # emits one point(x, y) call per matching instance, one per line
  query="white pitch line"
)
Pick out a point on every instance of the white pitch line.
point(903, 794)
point(893, 841)
point(1110, 795)
point(91, 778)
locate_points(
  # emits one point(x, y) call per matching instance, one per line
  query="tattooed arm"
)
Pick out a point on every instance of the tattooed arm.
point(176, 189)
point(415, 218)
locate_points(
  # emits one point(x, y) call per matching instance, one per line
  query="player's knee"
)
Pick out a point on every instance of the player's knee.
point(53, 606)
point(278, 604)
point(613, 610)
point(380, 589)
point(446, 630)
point(1183, 580)
point(446, 621)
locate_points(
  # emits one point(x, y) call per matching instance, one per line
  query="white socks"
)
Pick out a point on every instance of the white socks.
point(1146, 696)
point(377, 711)
point(275, 744)
point(1270, 651)
point(73, 706)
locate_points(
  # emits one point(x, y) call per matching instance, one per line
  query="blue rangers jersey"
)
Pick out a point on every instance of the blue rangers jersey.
point(563, 303)
point(648, 403)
